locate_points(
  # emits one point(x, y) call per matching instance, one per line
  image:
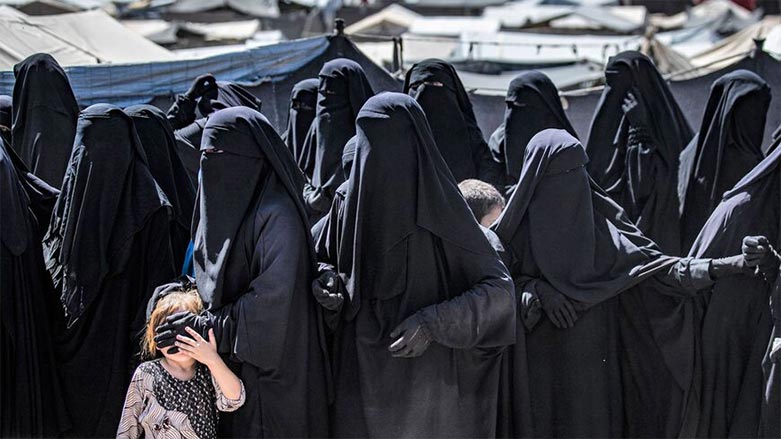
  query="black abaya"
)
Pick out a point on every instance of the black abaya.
point(728, 146)
point(159, 144)
point(409, 246)
point(640, 171)
point(439, 91)
point(303, 105)
point(533, 105)
point(619, 371)
point(107, 248)
point(31, 403)
point(44, 117)
point(736, 325)
point(254, 264)
point(343, 91)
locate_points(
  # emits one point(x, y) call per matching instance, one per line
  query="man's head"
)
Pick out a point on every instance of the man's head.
point(483, 199)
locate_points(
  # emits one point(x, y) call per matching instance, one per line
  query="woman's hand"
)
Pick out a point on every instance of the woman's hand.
point(202, 350)
point(558, 308)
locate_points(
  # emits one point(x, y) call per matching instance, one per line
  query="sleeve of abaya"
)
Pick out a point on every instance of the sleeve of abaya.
point(253, 329)
point(317, 200)
point(491, 171)
point(686, 277)
point(182, 112)
point(482, 316)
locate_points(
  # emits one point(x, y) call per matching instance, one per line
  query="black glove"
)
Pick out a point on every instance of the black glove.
point(201, 85)
point(174, 325)
point(412, 338)
point(559, 310)
point(634, 109)
point(760, 255)
point(326, 289)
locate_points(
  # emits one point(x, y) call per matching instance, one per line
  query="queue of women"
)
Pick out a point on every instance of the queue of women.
point(342, 287)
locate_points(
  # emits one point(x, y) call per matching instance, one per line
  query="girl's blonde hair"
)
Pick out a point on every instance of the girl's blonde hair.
point(172, 303)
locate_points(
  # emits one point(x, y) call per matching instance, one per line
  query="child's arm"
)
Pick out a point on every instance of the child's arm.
point(205, 352)
point(129, 424)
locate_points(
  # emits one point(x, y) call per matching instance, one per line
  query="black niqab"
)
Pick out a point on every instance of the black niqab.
point(450, 115)
point(643, 181)
point(533, 105)
point(620, 365)
point(303, 107)
point(727, 147)
point(157, 139)
point(44, 117)
point(343, 91)
point(410, 245)
point(254, 264)
point(108, 246)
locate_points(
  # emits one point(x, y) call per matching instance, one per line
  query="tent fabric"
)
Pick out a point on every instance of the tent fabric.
point(80, 38)
point(125, 85)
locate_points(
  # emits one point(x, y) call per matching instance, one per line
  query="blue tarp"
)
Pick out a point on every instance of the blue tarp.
point(129, 84)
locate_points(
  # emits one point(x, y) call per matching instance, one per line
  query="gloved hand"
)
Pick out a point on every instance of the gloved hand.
point(326, 291)
point(412, 338)
point(558, 308)
point(201, 85)
point(760, 255)
point(175, 325)
point(634, 109)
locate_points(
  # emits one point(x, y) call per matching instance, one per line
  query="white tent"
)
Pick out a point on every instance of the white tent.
point(80, 38)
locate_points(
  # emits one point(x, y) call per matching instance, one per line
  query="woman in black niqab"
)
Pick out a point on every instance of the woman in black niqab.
point(254, 264)
point(438, 89)
point(416, 262)
point(737, 322)
point(343, 91)
point(108, 246)
point(157, 139)
point(533, 105)
point(31, 403)
point(207, 95)
point(623, 364)
point(44, 117)
point(727, 147)
point(303, 106)
point(634, 151)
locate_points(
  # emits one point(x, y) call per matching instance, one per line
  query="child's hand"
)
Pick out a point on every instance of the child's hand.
point(203, 351)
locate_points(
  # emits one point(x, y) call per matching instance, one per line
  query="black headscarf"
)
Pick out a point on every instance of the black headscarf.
point(728, 145)
point(533, 105)
point(108, 195)
point(157, 139)
point(227, 95)
point(44, 117)
point(450, 115)
point(582, 240)
point(736, 325)
point(303, 106)
point(252, 151)
point(343, 91)
point(643, 182)
point(397, 184)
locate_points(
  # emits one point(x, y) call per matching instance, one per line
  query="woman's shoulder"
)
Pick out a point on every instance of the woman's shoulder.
point(148, 368)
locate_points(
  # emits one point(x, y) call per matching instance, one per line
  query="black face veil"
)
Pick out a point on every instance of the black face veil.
point(108, 195)
point(439, 91)
point(303, 104)
point(533, 105)
point(44, 117)
point(239, 145)
point(727, 147)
